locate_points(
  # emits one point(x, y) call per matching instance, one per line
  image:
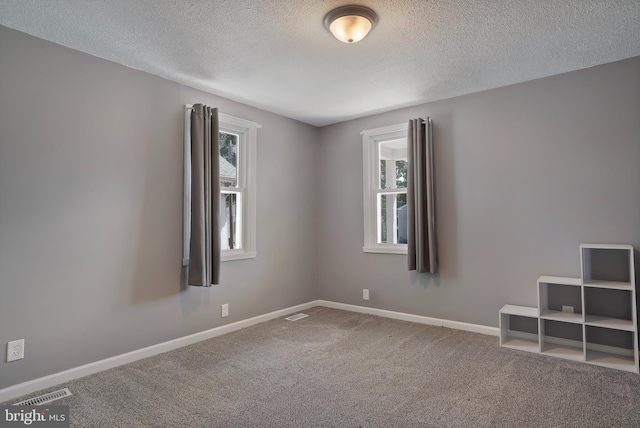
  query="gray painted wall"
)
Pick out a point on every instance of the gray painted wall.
point(91, 204)
point(91, 211)
point(524, 174)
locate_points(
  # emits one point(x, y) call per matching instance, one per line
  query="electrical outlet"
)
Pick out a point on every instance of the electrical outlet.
point(365, 294)
point(568, 309)
point(225, 310)
point(15, 350)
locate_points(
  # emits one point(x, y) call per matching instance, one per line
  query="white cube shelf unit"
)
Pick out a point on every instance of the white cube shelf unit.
point(592, 319)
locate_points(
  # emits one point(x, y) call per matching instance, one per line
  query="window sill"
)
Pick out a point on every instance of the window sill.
point(386, 249)
point(230, 255)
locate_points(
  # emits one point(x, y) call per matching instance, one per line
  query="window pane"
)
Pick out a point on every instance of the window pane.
point(401, 173)
point(383, 174)
point(228, 160)
point(382, 219)
point(392, 218)
point(401, 213)
point(393, 163)
point(229, 213)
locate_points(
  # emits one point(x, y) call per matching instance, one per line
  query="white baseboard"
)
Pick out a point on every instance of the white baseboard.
point(21, 389)
point(475, 328)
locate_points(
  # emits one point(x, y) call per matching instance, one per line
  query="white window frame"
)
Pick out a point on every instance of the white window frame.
point(247, 132)
point(371, 140)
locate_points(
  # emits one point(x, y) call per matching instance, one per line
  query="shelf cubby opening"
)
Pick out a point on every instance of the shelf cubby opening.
point(606, 267)
point(560, 302)
point(611, 348)
point(608, 308)
point(519, 332)
point(562, 339)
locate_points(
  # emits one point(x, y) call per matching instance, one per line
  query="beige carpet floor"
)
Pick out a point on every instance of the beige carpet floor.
point(342, 369)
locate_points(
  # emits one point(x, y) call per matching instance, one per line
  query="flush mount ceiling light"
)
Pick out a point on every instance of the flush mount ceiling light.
point(350, 24)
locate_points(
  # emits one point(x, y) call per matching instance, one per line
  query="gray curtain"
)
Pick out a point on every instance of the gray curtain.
point(204, 246)
point(421, 220)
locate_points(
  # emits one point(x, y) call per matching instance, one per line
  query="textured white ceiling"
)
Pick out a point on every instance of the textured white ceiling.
point(276, 54)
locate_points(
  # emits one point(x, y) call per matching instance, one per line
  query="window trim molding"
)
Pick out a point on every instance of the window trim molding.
point(247, 178)
point(370, 140)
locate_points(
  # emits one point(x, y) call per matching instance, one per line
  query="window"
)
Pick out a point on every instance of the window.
point(237, 187)
point(237, 159)
point(385, 189)
point(230, 193)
